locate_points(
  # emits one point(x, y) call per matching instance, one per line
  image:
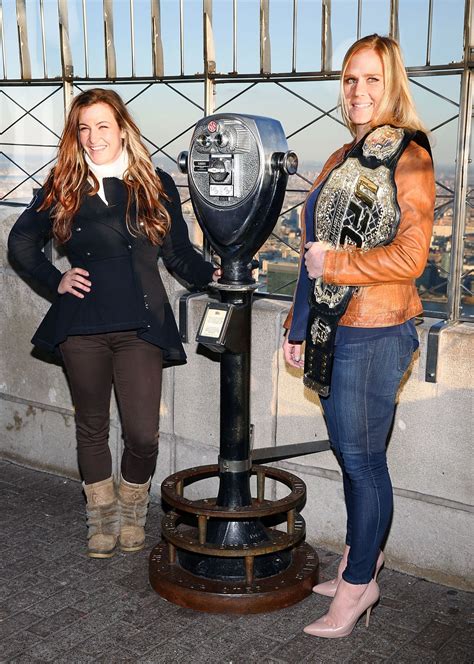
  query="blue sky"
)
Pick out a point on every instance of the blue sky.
point(448, 18)
point(162, 113)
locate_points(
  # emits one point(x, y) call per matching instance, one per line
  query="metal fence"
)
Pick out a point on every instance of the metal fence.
point(267, 57)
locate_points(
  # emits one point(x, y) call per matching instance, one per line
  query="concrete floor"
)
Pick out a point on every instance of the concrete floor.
point(56, 604)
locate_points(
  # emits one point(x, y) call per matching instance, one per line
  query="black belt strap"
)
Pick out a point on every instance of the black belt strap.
point(320, 340)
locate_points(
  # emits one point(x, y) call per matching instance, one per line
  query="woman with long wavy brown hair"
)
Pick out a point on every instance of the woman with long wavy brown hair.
point(111, 321)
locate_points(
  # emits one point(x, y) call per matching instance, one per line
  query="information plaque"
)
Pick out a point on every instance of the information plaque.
point(214, 325)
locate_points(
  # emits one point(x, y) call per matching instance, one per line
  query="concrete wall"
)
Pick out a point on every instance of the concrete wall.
point(429, 453)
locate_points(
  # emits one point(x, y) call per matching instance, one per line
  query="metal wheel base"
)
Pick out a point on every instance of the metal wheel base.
point(215, 596)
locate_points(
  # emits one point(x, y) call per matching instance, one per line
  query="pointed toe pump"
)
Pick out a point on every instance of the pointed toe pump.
point(367, 600)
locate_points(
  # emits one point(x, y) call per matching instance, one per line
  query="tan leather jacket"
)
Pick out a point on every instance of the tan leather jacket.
point(386, 275)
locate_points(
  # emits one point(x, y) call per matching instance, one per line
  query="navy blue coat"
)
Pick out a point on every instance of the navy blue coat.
point(127, 291)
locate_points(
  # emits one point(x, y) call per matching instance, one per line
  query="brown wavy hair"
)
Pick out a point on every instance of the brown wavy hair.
point(67, 181)
point(397, 107)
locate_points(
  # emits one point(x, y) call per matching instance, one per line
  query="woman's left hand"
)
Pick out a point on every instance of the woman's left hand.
point(314, 258)
point(217, 274)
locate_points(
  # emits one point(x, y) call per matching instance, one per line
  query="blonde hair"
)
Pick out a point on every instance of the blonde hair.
point(397, 107)
point(67, 181)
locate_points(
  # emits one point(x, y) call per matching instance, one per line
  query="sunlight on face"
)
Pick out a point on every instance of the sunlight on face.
point(99, 133)
point(364, 88)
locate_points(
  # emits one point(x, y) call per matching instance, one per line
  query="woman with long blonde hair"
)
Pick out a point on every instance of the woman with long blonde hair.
point(111, 321)
point(367, 225)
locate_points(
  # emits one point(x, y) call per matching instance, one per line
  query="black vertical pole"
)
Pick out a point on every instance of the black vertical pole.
point(234, 488)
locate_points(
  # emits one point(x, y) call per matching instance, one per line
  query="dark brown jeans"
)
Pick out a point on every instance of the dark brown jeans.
point(93, 363)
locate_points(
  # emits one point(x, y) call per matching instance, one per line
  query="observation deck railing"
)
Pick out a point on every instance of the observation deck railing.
point(50, 50)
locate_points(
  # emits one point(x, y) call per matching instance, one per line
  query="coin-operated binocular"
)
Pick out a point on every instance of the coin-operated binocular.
point(237, 166)
point(234, 558)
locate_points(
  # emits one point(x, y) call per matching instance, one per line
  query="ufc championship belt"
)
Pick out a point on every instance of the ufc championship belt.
point(356, 207)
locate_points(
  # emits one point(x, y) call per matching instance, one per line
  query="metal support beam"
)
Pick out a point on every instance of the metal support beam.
point(85, 39)
point(181, 36)
point(132, 35)
point(265, 47)
point(282, 452)
point(209, 59)
point(2, 43)
point(326, 36)
point(359, 19)
point(295, 35)
point(461, 177)
point(43, 40)
point(394, 28)
point(156, 41)
point(234, 36)
point(66, 56)
point(25, 61)
point(110, 59)
point(453, 69)
point(68, 94)
point(469, 32)
point(430, 32)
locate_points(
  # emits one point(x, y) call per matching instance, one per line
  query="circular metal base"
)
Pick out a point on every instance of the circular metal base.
point(214, 596)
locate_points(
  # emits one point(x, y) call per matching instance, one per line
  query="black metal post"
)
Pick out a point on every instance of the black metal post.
point(234, 488)
point(234, 459)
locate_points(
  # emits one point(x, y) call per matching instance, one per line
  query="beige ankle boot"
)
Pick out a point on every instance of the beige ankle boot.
point(133, 503)
point(102, 518)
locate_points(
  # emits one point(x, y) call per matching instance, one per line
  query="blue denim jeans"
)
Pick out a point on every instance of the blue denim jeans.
point(359, 414)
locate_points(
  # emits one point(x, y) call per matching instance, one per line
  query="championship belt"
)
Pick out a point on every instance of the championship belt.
point(356, 208)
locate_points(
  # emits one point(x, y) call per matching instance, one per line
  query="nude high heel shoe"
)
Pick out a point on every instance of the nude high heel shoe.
point(328, 588)
point(367, 600)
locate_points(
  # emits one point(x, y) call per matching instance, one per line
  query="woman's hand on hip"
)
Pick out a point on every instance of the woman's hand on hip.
point(292, 353)
point(74, 281)
point(314, 258)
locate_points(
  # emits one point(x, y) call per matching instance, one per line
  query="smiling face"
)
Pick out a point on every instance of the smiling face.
point(100, 134)
point(363, 88)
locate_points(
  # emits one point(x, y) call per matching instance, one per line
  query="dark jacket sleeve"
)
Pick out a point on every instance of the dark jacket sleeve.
point(25, 243)
point(178, 253)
